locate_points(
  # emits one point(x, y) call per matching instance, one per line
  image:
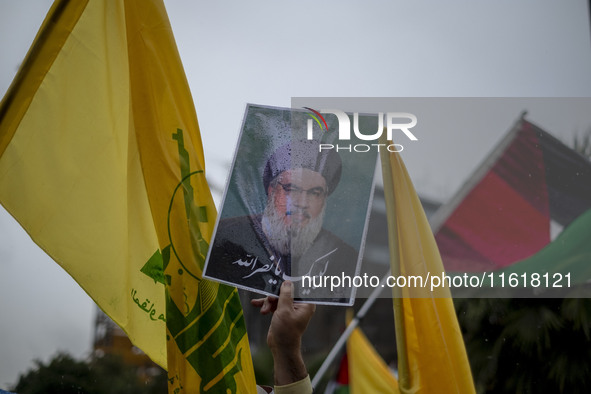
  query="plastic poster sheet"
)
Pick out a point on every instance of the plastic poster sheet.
point(294, 208)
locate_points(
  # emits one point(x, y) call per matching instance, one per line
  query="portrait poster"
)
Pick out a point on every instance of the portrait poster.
point(296, 206)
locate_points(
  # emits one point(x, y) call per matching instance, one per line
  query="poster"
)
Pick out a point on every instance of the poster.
point(295, 207)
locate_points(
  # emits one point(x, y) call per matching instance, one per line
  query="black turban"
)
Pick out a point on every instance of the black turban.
point(304, 154)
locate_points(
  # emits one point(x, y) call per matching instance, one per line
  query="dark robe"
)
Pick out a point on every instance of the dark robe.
point(241, 254)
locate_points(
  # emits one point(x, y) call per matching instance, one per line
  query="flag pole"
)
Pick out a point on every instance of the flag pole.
point(347, 333)
point(397, 300)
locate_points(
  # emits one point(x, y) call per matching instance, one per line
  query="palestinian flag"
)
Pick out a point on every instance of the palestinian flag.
point(526, 209)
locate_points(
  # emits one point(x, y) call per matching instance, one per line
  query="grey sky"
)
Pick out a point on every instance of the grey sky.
point(266, 52)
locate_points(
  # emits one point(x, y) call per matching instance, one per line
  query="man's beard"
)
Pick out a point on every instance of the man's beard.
point(290, 239)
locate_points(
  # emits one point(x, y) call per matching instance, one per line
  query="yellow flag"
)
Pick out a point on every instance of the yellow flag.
point(101, 162)
point(431, 353)
point(368, 373)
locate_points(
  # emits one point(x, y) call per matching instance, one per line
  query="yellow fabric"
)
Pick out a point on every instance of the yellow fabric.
point(70, 173)
point(208, 348)
point(102, 164)
point(368, 373)
point(432, 356)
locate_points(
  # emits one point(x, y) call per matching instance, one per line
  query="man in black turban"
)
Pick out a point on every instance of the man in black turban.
point(287, 241)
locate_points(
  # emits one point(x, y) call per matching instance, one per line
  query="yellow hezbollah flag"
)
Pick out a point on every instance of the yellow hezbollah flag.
point(101, 162)
point(431, 353)
point(368, 373)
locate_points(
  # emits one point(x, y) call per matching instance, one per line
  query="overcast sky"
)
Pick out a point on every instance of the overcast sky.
point(266, 52)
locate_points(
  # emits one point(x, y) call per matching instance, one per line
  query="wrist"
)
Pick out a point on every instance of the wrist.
point(288, 365)
point(285, 348)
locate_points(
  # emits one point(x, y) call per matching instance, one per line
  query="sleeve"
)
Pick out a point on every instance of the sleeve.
point(303, 386)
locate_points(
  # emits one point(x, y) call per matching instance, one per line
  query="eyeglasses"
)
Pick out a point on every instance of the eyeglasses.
point(315, 193)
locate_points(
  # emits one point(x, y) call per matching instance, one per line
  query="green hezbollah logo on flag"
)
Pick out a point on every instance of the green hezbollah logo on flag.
point(201, 328)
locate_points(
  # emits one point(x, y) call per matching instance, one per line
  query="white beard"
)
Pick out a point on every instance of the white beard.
point(291, 239)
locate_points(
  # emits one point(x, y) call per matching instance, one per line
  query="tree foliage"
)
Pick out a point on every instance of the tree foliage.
point(528, 345)
point(99, 375)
